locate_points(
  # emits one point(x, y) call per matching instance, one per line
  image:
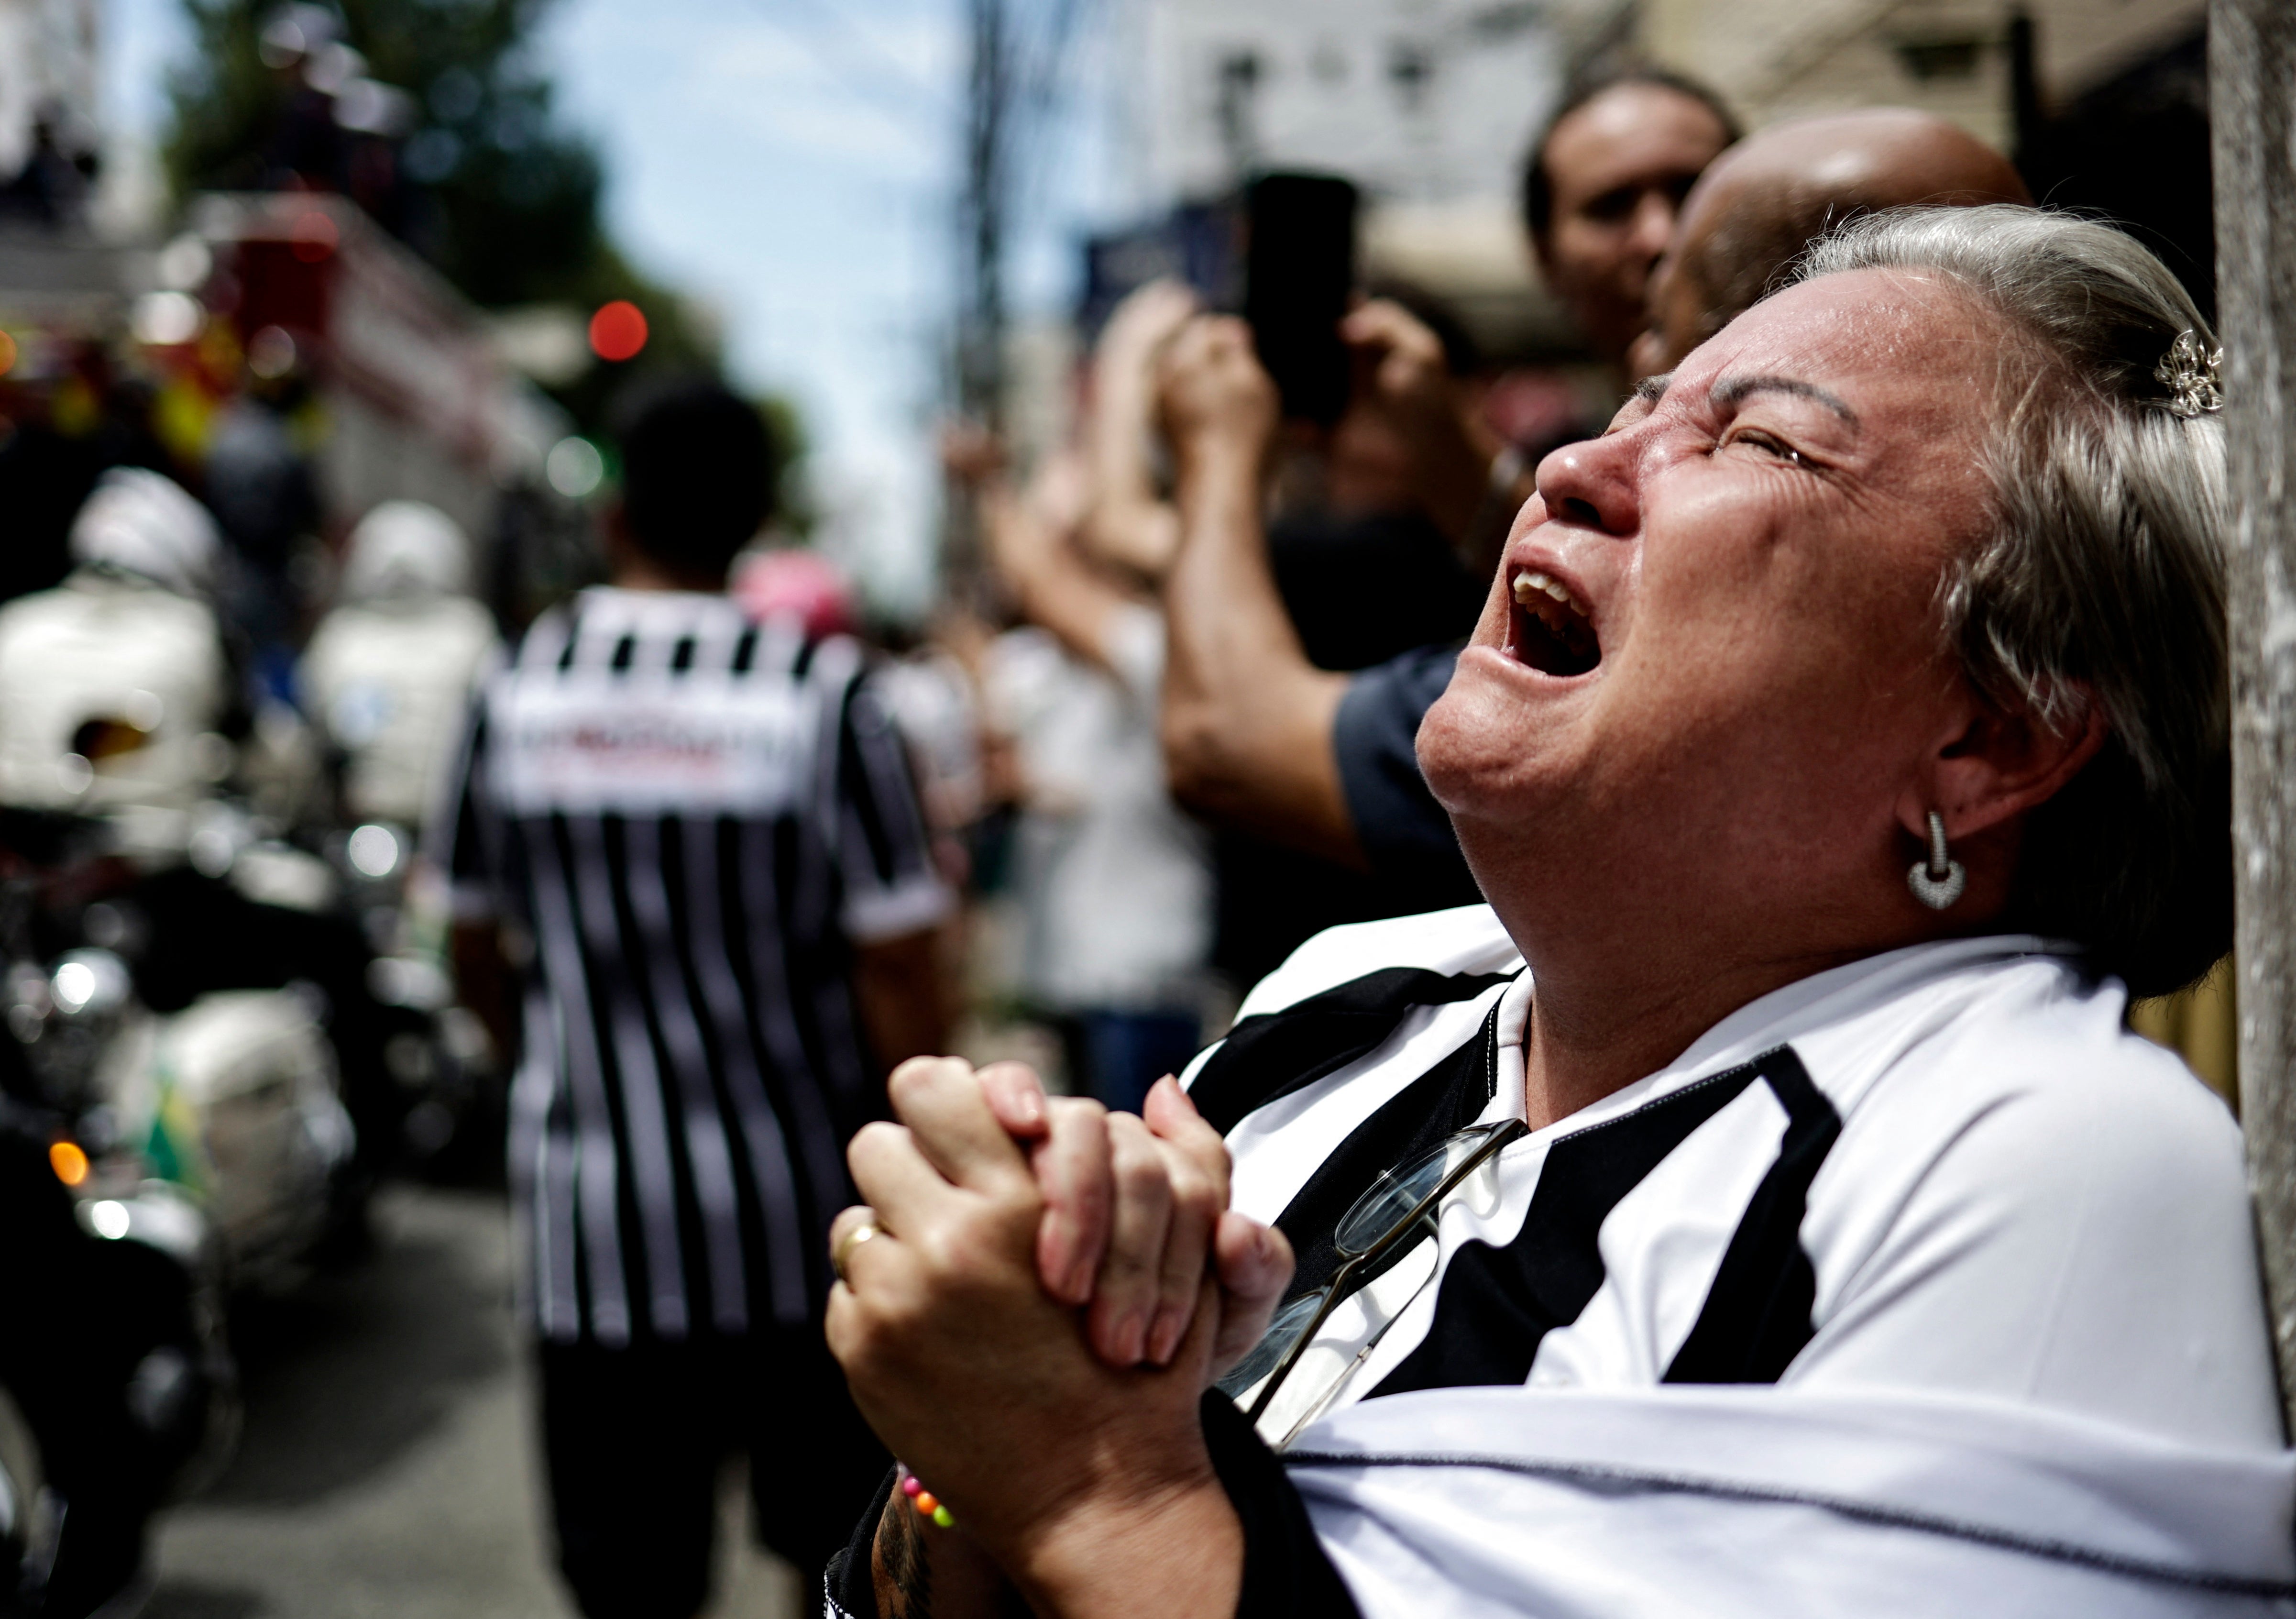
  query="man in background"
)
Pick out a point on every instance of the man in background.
point(1604, 184)
point(1768, 197)
point(1115, 885)
point(703, 832)
point(389, 673)
point(1262, 737)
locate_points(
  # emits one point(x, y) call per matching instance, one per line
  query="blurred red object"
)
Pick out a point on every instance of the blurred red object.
point(314, 238)
point(798, 585)
point(1531, 406)
point(618, 331)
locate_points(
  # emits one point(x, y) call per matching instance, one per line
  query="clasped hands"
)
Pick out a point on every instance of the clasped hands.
point(1050, 1288)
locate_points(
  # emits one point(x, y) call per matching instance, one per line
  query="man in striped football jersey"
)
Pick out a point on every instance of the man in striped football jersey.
point(705, 831)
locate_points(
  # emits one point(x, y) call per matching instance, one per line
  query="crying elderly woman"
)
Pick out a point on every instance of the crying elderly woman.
point(1757, 1208)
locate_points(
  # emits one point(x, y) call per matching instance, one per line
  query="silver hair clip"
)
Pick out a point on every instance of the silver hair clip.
point(2190, 372)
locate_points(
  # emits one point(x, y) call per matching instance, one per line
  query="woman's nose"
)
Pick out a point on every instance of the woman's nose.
point(1592, 484)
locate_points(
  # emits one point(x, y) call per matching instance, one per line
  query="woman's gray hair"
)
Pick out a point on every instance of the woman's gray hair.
point(2102, 574)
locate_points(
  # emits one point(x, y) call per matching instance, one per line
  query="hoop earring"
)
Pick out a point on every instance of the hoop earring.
point(1937, 882)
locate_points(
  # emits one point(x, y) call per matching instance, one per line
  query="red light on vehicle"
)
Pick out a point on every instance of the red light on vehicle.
point(7, 354)
point(618, 331)
point(313, 238)
point(69, 1163)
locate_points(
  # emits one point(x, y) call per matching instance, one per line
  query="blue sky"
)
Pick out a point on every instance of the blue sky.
point(791, 163)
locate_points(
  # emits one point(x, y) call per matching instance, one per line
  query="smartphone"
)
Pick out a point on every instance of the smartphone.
point(1300, 272)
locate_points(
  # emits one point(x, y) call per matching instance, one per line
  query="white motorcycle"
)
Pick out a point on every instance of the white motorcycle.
point(231, 1102)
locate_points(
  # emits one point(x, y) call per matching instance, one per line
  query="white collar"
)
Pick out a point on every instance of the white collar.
point(1766, 1021)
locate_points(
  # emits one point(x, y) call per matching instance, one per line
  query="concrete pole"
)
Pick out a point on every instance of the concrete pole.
point(980, 345)
point(988, 153)
point(2253, 115)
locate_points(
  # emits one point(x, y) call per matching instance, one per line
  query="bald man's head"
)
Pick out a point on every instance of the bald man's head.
point(1764, 201)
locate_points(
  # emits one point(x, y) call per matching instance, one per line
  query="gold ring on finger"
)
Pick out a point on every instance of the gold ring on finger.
point(851, 1240)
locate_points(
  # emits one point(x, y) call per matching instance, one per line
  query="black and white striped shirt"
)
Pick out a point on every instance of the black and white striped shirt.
point(1918, 1286)
point(1759, 1210)
point(695, 819)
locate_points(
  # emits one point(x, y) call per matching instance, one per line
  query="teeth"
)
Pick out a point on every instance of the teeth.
point(1527, 585)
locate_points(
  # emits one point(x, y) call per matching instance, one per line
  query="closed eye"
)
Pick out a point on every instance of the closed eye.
point(1764, 442)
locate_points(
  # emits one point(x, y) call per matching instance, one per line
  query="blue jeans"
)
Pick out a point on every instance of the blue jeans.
point(1115, 1057)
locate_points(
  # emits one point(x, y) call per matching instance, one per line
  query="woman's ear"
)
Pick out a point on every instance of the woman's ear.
point(2001, 763)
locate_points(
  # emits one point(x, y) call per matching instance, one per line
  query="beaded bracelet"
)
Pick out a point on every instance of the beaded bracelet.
point(925, 1502)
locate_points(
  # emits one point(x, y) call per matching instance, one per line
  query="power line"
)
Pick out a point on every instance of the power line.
point(865, 68)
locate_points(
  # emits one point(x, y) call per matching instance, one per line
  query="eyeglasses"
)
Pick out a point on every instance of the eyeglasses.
point(1402, 1204)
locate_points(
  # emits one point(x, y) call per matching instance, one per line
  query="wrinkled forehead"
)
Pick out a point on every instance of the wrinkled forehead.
point(1909, 351)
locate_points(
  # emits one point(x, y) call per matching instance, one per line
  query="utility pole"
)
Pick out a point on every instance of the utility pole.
point(2253, 115)
point(980, 345)
point(980, 321)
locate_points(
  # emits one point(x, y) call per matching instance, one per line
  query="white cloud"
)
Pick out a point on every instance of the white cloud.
point(765, 85)
point(783, 73)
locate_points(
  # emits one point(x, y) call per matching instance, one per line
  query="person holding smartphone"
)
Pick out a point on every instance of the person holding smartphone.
point(1266, 733)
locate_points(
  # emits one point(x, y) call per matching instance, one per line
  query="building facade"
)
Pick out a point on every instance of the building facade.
point(47, 78)
point(1414, 100)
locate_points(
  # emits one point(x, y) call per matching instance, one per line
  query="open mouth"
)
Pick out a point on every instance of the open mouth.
point(1551, 632)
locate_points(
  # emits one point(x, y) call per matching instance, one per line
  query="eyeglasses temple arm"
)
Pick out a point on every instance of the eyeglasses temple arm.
point(1501, 1138)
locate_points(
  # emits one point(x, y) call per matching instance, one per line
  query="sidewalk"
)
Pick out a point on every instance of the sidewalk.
point(388, 1467)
